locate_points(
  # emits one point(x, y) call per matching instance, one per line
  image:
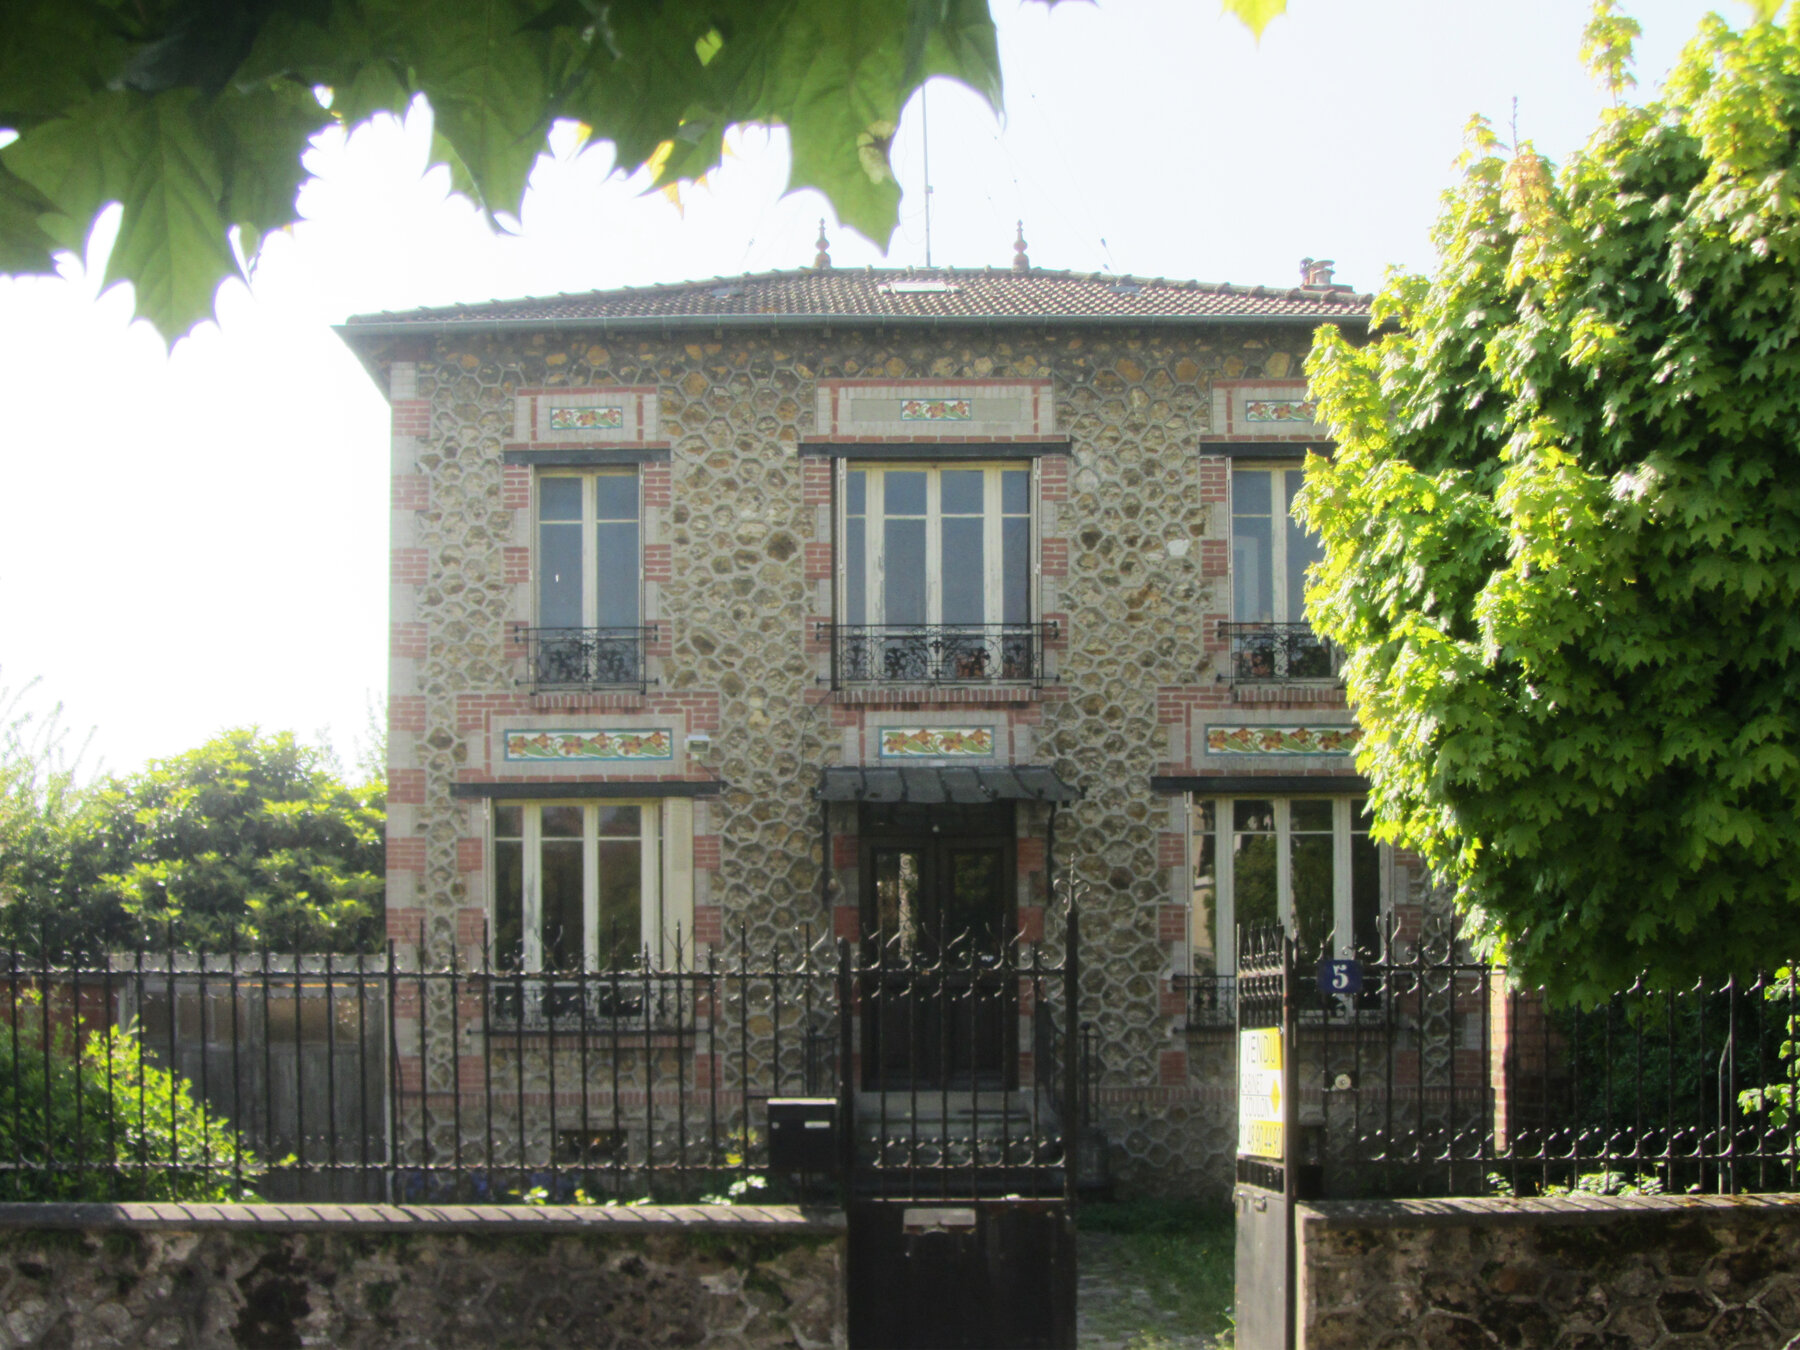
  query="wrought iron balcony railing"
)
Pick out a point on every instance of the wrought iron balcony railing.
point(1276, 653)
point(586, 658)
point(937, 654)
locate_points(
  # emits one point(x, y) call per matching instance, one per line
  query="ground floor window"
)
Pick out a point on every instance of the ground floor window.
point(576, 885)
point(1306, 863)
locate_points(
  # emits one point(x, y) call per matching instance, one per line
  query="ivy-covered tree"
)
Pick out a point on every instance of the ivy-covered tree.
point(249, 838)
point(1562, 529)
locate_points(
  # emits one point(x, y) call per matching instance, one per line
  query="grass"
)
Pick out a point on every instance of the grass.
point(1181, 1257)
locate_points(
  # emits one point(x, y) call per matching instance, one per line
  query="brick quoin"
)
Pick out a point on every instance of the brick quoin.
point(515, 487)
point(657, 485)
point(406, 854)
point(844, 850)
point(412, 417)
point(516, 565)
point(1053, 558)
point(709, 925)
point(411, 492)
point(403, 924)
point(818, 562)
point(468, 855)
point(1171, 923)
point(1053, 478)
point(1172, 1068)
point(409, 567)
point(706, 857)
point(407, 640)
point(659, 562)
point(846, 923)
point(406, 712)
point(1215, 557)
point(815, 482)
point(1171, 850)
point(406, 787)
point(1031, 855)
point(1171, 1002)
point(1031, 923)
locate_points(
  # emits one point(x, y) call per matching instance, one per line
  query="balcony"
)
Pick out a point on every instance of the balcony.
point(946, 655)
point(1279, 653)
point(585, 658)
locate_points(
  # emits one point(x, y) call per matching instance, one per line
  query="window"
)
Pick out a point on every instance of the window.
point(576, 885)
point(1270, 552)
point(1307, 863)
point(588, 581)
point(935, 573)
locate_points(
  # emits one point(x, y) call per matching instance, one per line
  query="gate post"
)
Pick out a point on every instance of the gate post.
point(1073, 1125)
point(846, 1001)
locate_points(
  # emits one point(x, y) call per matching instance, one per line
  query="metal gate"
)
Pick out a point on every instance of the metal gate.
point(1267, 1172)
point(960, 1184)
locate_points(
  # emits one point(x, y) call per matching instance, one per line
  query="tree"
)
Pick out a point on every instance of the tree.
point(194, 114)
point(1562, 529)
point(249, 838)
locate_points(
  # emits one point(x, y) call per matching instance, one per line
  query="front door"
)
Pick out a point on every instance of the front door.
point(939, 918)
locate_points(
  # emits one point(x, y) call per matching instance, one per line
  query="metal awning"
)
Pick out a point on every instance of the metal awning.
point(938, 785)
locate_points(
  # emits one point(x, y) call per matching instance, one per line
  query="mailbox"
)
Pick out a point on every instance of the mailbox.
point(803, 1134)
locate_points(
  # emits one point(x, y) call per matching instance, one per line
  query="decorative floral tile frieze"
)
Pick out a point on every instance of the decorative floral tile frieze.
point(587, 419)
point(589, 745)
point(937, 742)
point(1334, 739)
point(1279, 410)
point(936, 409)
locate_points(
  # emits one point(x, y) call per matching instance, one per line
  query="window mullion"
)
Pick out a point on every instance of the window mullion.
point(650, 891)
point(993, 578)
point(1278, 531)
point(1343, 919)
point(934, 548)
point(590, 552)
point(875, 547)
point(1225, 903)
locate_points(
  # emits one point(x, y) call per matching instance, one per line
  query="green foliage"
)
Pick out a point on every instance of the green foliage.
point(107, 1124)
point(249, 835)
point(1180, 1257)
point(1777, 1099)
point(1562, 531)
point(194, 114)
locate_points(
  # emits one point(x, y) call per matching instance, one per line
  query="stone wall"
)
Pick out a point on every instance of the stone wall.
point(1573, 1273)
point(368, 1276)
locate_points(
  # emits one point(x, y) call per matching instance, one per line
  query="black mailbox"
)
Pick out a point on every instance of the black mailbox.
point(803, 1134)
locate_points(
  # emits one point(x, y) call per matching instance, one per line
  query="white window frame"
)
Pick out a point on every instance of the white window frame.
point(656, 931)
point(874, 541)
point(1343, 919)
point(590, 553)
point(1278, 540)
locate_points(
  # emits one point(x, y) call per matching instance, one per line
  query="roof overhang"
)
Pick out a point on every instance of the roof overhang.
point(538, 790)
point(944, 785)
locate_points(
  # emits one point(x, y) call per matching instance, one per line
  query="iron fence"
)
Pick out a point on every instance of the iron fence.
point(414, 1075)
point(1439, 1078)
point(937, 654)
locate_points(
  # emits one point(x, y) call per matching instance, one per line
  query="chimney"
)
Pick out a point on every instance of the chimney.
point(1316, 272)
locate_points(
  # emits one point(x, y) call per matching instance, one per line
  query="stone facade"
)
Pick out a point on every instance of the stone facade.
point(1583, 1273)
point(372, 1277)
point(737, 431)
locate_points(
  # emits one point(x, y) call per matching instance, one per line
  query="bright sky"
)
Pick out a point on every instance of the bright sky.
point(198, 540)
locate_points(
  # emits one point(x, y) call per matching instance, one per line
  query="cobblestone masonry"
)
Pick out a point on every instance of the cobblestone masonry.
point(1134, 529)
point(368, 1276)
point(1588, 1273)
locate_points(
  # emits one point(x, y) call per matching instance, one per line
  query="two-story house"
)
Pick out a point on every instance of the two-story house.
point(877, 600)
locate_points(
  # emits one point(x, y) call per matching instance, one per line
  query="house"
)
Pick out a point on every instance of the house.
point(837, 600)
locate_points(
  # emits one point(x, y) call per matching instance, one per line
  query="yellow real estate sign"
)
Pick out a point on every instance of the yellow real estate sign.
point(1259, 1093)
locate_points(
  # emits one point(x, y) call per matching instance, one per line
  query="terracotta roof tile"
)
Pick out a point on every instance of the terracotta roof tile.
point(902, 295)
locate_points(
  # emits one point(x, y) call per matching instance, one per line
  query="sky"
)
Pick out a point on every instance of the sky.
point(196, 539)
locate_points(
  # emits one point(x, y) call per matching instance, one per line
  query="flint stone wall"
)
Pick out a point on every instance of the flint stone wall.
point(367, 1276)
point(1572, 1273)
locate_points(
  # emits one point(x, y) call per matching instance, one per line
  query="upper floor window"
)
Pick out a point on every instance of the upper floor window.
point(935, 574)
point(1270, 552)
point(588, 629)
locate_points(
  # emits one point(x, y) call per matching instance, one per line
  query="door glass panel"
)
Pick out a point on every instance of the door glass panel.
point(1253, 874)
point(971, 903)
point(621, 902)
point(856, 570)
point(559, 575)
point(964, 573)
point(1252, 548)
point(1365, 883)
point(897, 878)
point(616, 574)
point(1015, 570)
point(904, 572)
point(509, 904)
point(1204, 919)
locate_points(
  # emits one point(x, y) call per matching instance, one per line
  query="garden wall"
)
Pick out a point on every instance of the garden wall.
point(447, 1277)
point(1581, 1273)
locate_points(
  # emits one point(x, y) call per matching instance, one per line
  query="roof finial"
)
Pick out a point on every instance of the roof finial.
point(1021, 263)
point(824, 259)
